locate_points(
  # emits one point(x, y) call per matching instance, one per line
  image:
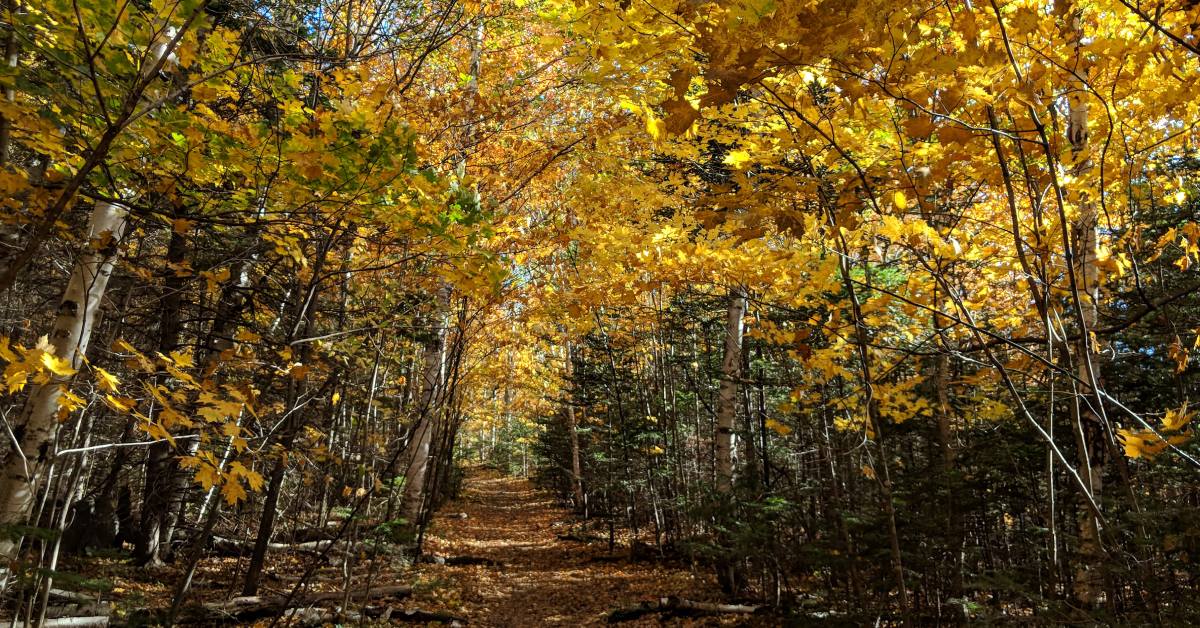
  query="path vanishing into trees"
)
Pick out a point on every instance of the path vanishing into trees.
point(541, 579)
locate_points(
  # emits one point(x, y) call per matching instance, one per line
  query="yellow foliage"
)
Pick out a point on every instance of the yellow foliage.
point(778, 427)
point(1175, 420)
point(107, 381)
point(1146, 444)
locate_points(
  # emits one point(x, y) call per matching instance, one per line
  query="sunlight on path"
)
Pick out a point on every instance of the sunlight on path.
point(543, 581)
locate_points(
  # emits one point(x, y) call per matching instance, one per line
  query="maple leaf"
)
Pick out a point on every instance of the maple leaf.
point(107, 381)
point(1174, 420)
point(6, 353)
point(58, 366)
point(120, 404)
point(233, 492)
point(253, 479)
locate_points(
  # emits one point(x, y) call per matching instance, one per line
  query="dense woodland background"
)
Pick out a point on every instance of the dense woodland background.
point(871, 309)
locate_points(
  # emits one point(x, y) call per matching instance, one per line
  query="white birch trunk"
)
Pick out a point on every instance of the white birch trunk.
point(77, 313)
point(573, 432)
point(731, 370)
point(1090, 433)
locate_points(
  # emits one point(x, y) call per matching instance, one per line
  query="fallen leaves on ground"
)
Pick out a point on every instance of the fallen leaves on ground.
point(542, 580)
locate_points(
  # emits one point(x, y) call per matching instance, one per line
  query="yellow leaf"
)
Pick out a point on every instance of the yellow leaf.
point(5, 352)
point(107, 381)
point(778, 427)
point(1131, 441)
point(57, 365)
point(654, 126)
point(1147, 444)
point(122, 346)
point(1176, 419)
point(233, 492)
point(736, 158)
point(182, 359)
point(215, 278)
point(15, 377)
point(900, 200)
point(170, 418)
point(120, 404)
point(216, 410)
point(253, 479)
point(158, 432)
point(892, 228)
point(68, 400)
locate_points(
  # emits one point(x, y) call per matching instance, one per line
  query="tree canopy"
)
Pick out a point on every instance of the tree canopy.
point(886, 309)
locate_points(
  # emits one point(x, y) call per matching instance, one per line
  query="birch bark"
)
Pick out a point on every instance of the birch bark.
point(69, 338)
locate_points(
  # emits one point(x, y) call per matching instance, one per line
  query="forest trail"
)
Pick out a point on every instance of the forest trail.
point(541, 580)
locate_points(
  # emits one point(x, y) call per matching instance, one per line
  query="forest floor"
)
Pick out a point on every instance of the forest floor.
point(541, 579)
point(525, 574)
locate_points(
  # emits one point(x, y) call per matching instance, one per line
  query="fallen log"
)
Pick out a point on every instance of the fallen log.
point(236, 547)
point(580, 537)
point(418, 615)
point(313, 616)
point(305, 535)
point(680, 607)
point(253, 607)
point(639, 552)
point(320, 616)
point(63, 622)
point(458, 561)
point(93, 609)
point(72, 596)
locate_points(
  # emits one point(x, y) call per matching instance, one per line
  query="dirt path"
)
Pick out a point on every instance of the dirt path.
point(542, 580)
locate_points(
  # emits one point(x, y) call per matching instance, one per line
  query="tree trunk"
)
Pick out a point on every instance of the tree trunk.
point(1089, 427)
point(573, 434)
point(731, 370)
point(305, 321)
point(417, 451)
point(945, 437)
point(266, 525)
point(11, 57)
point(77, 313)
point(160, 461)
point(729, 573)
point(748, 449)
